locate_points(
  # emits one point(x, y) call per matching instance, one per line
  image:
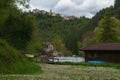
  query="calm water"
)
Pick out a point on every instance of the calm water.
point(67, 59)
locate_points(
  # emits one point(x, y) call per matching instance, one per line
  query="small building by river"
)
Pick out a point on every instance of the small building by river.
point(103, 52)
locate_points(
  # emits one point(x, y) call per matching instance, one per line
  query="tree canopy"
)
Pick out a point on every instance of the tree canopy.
point(106, 30)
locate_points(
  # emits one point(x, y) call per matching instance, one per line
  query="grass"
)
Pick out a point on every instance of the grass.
point(68, 72)
point(20, 68)
point(12, 62)
point(115, 66)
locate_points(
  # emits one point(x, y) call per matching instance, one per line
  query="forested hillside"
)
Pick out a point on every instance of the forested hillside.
point(109, 18)
point(113, 11)
point(76, 33)
point(16, 33)
point(57, 30)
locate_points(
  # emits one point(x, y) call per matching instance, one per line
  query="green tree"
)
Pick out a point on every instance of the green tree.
point(106, 30)
point(117, 3)
point(87, 38)
point(71, 39)
point(17, 30)
point(60, 47)
point(15, 26)
point(58, 43)
point(6, 6)
point(35, 44)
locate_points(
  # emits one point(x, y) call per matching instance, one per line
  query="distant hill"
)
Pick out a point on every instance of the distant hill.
point(68, 28)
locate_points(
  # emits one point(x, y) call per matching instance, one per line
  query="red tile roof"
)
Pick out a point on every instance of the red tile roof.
point(103, 46)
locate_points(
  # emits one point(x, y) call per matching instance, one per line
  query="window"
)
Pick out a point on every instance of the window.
point(92, 55)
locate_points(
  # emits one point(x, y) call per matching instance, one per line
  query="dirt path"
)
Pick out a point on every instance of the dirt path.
point(67, 72)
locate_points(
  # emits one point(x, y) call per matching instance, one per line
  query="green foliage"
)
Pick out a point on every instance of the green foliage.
point(105, 32)
point(94, 21)
point(116, 9)
point(68, 30)
point(3, 16)
point(104, 26)
point(58, 43)
point(8, 54)
point(24, 3)
point(20, 68)
point(16, 31)
point(35, 44)
point(16, 28)
point(11, 61)
point(87, 39)
point(60, 47)
point(6, 3)
point(101, 14)
point(117, 3)
point(118, 32)
point(115, 66)
point(12, 3)
point(74, 33)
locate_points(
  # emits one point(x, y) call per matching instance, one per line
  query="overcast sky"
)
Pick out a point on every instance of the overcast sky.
point(77, 8)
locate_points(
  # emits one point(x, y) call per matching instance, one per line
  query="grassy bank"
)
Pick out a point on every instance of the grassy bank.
point(20, 68)
point(13, 62)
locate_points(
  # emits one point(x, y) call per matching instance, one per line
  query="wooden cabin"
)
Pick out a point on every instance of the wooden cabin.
point(105, 52)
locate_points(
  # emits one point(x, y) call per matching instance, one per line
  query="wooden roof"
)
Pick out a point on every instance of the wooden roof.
point(103, 46)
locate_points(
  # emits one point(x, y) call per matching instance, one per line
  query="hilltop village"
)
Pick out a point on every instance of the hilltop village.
point(52, 14)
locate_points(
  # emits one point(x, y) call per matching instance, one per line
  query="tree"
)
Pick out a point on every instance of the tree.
point(35, 43)
point(15, 26)
point(116, 10)
point(60, 47)
point(106, 32)
point(58, 43)
point(8, 7)
point(117, 3)
point(71, 39)
point(18, 30)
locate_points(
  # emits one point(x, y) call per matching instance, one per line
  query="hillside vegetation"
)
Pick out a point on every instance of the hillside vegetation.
point(16, 30)
point(77, 33)
point(97, 22)
point(11, 61)
point(55, 29)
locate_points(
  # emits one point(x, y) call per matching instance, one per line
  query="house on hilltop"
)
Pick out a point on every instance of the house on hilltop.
point(69, 17)
point(105, 52)
point(42, 12)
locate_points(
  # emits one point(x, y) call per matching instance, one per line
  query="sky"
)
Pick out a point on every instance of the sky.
point(76, 8)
